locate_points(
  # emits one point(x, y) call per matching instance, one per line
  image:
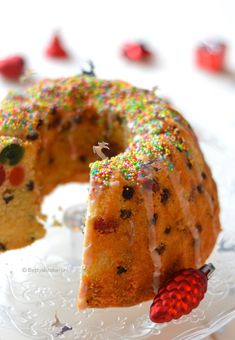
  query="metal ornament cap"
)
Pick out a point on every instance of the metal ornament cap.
point(208, 269)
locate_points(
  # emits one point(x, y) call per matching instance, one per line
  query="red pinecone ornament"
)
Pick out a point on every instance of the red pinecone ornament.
point(56, 49)
point(136, 51)
point(12, 67)
point(182, 293)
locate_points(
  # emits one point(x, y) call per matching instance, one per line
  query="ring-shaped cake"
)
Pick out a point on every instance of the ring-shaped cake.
point(153, 206)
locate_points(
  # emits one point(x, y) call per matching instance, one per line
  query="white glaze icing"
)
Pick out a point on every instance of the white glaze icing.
point(73, 148)
point(132, 232)
point(156, 258)
point(185, 206)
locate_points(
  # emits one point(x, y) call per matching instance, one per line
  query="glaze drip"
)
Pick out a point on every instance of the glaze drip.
point(148, 199)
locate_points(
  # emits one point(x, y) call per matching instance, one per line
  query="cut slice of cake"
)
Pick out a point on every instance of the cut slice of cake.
point(19, 194)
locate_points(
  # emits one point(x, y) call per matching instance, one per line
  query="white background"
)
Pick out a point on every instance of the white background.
point(97, 29)
point(172, 28)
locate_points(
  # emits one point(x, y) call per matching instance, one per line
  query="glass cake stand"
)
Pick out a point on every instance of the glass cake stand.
point(38, 284)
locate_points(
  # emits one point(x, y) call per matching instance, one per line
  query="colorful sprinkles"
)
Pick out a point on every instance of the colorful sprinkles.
point(151, 126)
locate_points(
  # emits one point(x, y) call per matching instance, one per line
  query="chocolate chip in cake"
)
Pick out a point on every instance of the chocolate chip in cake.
point(156, 186)
point(154, 219)
point(204, 176)
point(53, 111)
point(40, 123)
point(189, 165)
point(105, 227)
point(7, 196)
point(179, 148)
point(77, 119)
point(2, 247)
point(66, 126)
point(93, 120)
point(51, 160)
point(199, 227)
point(200, 188)
point(54, 122)
point(165, 194)
point(125, 214)
point(30, 185)
point(160, 248)
point(83, 159)
point(167, 230)
point(12, 154)
point(121, 270)
point(33, 135)
point(120, 119)
point(127, 192)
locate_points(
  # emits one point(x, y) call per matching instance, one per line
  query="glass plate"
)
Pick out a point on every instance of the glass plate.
point(38, 284)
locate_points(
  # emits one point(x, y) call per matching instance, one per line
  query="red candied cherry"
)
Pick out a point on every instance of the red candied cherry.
point(105, 227)
point(210, 55)
point(135, 51)
point(12, 67)
point(2, 174)
point(17, 175)
point(56, 49)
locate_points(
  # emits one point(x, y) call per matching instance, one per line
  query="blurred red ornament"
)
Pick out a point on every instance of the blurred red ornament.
point(12, 67)
point(56, 49)
point(210, 56)
point(182, 293)
point(136, 51)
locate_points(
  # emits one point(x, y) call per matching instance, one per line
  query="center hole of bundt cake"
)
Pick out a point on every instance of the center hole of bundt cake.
point(67, 148)
point(65, 154)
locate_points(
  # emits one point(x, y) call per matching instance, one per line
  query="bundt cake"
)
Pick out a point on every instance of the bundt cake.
point(153, 206)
